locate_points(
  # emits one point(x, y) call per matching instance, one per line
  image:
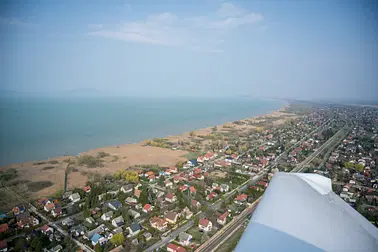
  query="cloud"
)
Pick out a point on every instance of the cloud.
point(17, 22)
point(200, 33)
point(95, 26)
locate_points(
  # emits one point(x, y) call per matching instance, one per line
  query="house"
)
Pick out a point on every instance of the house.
point(205, 225)
point(170, 197)
point(147, 174)
point(78, 230)
point(49, 206)
point(188, 213)
point(147, 208)
point(176, 179)
point(183, 188)
point(57, 248)
point(174, 248)
point(74, 197)
point(26, 220)
point(97, 238)
point(240, 199)
point(195, 204)
point(90, 220)
point(114, 205)
point(131, 201)
point(158, 223)
point(137, 193)
point(134, 229)
point(56, 212)
point(68, 222)
point(152, 178)
point(134, 214)
point(47, 230)
point(18, 209)
point(346, 188)
point(210, 156)
point(185, 239)
point(3, 228)
point(118, 222)
point(127, 188)
point(3, 246)
point(168, 183)
point(107, 216)
point(147, 236)
point(171, 217)
point(222, 219)
point(224, 188)
point(192, 190)
point(87, 189)
point(211, 196)
point(201, 159)
point(173, 169)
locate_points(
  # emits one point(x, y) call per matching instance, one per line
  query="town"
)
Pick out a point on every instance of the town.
point(206, 200)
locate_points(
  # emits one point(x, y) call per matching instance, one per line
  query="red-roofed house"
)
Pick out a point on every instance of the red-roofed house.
point(173, 169)
point(183, 188)
point(196, 204)
point(87, 189)
point(205, 225)
point(176, 179)
point(49, 206)
point(168, 183)
point(174, 248)
point(200, 159)
point(211, 196)
point(158, 223)
point(147, 208)
point(3, 246)
point(56, 212)
point(170, 197)
point(197, 170)
point(46, 229)
point(263, 183)
point(192, 190)
point(137, 193)
point(3, 228)
point(210, 155)
point(240, 199)
point(147, 174)
point(222, 219)
point(152, 178)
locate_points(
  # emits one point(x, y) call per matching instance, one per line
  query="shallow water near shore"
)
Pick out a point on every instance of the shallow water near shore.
point(41, 128)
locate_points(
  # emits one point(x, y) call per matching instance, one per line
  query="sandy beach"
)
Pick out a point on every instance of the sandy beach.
point(120, 157)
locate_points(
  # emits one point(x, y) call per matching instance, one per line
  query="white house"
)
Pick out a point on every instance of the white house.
point(205, 225)
point(185, 239)
point(118, 222)
point(127, 188)
point(134, 229)
point(74, 197)
point(107, 216)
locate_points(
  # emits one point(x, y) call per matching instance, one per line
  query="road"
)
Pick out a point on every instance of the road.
point(221, 236)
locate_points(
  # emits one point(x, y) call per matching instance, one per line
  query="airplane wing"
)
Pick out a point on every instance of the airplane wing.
point(300, 212)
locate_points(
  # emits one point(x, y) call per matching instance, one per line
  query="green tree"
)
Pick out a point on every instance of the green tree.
point(98, 247)
point(20, 244)
point(204, 237)
point(118, 239)
point(143, 199)
point(196, 221)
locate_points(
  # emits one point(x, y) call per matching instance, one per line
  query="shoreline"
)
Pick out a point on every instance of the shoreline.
point(120, 157)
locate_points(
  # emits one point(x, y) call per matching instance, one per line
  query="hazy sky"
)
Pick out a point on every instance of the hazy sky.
point(302, 49)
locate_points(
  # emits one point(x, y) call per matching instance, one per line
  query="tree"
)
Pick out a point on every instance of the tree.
point(192, 134)
point(118, 239)
point(143, 199)
point(196, 221)
point(20, 244)
point(204, 237)
point(98, 247)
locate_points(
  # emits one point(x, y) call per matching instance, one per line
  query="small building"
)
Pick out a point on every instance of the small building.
point(97, 238)
point(118, 222)
point(174, 248)
point(185, 239)
point(3, 228)
point(188, 213)
point(240, 199)
point(222, 219)
point(47, 230)
point(171, 217)
point(134, 214)
point(131, 201)
point(74, 197)
point(205, 225)
point(127, 188)
point(147, 236)
point(49, 206)
point(147, 208)
point(158, 223)
point(87, 189)
point(56, 212)
point(170, 197)
point(195, 204)
point(68, 222)
point(107, 216)
point(90, 220)
point(114, 205)
point(134, 229)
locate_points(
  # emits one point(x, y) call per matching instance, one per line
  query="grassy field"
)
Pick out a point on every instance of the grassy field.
point(231, 243)
point(7, 201)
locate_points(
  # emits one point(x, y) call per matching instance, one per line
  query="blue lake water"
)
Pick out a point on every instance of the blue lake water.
point(40, 128)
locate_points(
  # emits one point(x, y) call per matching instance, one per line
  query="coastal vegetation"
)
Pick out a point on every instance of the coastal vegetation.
point(129, 176)
point(158, 142)
point(48, 168)
point(89, 161)
point(38, 185)
point(8, 175)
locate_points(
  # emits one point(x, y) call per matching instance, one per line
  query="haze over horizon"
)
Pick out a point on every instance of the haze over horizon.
point(297, 49)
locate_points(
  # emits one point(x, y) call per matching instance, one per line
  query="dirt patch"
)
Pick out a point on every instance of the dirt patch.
point(39, 185)
point(218, 174)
